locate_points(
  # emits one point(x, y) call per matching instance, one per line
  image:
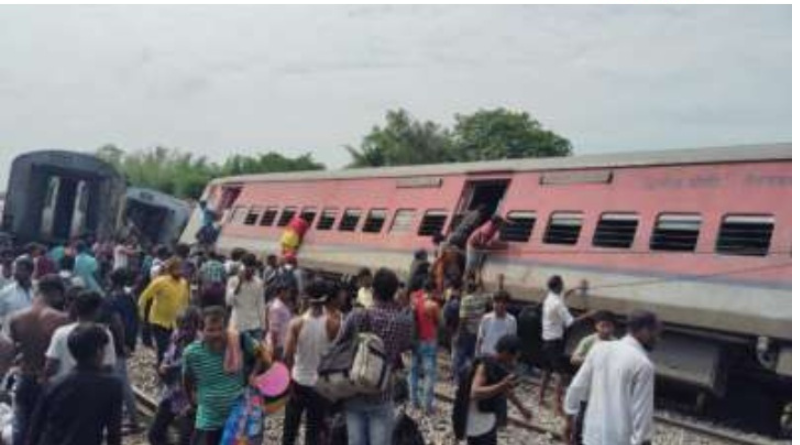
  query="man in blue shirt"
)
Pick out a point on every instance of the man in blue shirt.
point(86, 267)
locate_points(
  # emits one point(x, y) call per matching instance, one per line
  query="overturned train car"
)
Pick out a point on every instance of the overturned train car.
point(702, 236)
point(57, 195)
point(154, 217)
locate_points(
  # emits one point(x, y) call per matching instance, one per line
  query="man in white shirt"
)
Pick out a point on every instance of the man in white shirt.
point(123, 251)
point(17, 295)
point(618, 379)
point(495, 325)
point(245, 297)
point(59, 359)
point(556, 318)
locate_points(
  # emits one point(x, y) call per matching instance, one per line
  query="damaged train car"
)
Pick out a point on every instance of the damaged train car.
point(57, 195)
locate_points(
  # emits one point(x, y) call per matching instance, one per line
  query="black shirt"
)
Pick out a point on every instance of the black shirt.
point(78, 410)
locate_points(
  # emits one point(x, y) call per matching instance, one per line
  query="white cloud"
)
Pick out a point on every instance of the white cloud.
point(217, 79)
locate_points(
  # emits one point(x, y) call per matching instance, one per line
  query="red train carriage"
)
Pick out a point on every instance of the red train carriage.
point(702, 236)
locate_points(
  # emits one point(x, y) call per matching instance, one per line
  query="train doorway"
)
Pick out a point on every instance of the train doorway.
point(488, 194)
point(66, 210)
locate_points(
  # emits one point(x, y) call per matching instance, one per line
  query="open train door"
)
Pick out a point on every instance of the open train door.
point(488, 192)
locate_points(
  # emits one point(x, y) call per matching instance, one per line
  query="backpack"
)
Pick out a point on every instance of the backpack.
point(406, 431)
point(355, 365)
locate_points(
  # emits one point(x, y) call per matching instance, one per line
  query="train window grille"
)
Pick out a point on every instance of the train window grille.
point(308, 214)
point(374, 221)
point(564, 228)
point(252, 216)
point(676, 233)
point(286, 216)
point(745, 235)
point(518, 226)
point(616, 230)
point(432, 222)
point(403, 220)
point(269, 216)
point(238, 215)
point(326, 219)
point(350, 220)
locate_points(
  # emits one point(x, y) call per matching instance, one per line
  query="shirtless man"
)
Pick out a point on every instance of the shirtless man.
point(31, 330)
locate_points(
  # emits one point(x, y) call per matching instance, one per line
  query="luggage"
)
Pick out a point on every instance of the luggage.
point(356, 365)
point(245, 424)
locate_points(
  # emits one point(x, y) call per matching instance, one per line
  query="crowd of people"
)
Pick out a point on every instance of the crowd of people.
point(73, 314)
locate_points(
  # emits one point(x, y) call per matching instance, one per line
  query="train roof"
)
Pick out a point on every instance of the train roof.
point(710, 155)
point(155, 197)
point(79, 161)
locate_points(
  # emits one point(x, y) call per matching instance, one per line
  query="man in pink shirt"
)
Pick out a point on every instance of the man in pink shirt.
point(279, 314)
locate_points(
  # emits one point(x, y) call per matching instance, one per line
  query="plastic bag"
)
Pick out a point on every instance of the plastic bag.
point(245, 424)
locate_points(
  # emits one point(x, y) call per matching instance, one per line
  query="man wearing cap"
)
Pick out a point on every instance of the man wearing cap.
point(309, 337)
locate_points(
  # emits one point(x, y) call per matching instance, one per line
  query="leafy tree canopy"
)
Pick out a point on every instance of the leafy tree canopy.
point(483, 135)
point(184, 175)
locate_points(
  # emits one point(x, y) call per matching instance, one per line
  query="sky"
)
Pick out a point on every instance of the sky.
point(219, 80)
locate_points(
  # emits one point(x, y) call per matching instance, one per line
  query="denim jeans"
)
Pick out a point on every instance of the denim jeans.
point(463, 353)
point(26, 394)
point(424, 359)
point(369, 423)
point(128, 399)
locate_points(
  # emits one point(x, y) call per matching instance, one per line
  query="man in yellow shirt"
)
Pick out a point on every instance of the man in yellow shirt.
point(169, 294)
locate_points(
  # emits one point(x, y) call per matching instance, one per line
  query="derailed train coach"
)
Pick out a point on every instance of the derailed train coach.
point(57, 195)
point(154, 217)
point(701, 236)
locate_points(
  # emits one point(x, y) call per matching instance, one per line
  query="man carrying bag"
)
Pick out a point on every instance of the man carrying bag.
point(358, 368)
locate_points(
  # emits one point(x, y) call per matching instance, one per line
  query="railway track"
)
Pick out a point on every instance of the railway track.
point(144, 403)
point(147, 407)
point(701, 430)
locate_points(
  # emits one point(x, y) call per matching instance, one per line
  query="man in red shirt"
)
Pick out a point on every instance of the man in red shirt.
point(478, 247)
point(426, 314)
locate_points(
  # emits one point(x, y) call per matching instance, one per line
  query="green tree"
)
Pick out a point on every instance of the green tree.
point(270, 162)
point(183, 175)
point(402, 141)
point(504, 134)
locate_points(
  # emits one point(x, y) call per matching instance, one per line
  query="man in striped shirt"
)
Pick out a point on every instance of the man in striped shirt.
point(214, 374)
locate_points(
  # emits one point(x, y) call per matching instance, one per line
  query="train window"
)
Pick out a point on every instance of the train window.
point(616, 230)
point(518, 226)
point(252, 216)
point(676, 232)
point(327, 219)
point(745, 235)
point(564, 228)
point(286, 216)
point(374, 221)
point(403, 218)
point(238, 215)
point(432, 222)
point(269, 216)
point(350, 220)
point(308, 214)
